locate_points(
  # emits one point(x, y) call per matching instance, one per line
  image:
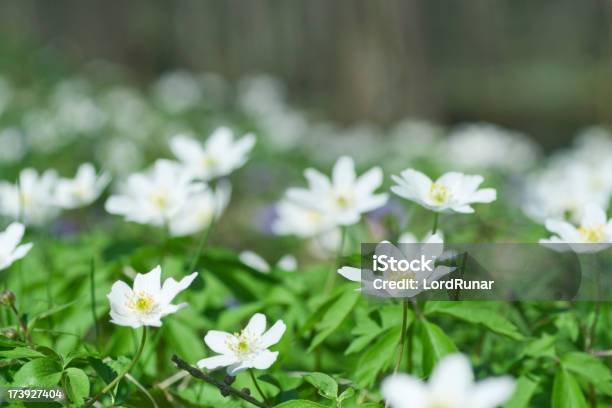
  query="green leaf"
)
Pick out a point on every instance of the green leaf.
point(346, 394)
point(366, 331)
point(327, 386)
point(77, 385)
point(525, 388)
point(21, 352)
point(436, 345)
point(300, 404)
point(478, 313)
point(376, 358)
point(41, 372)
point(542, 347)
point(586, 366)
point(334, 316)
point(566, 391)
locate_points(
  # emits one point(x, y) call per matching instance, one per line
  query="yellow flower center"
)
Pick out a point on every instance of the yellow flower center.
point(242, 343)
point(398, 276)
point(141, 302)
point(344, 200)
point(592, 234)
point(160, 200)
point(208, 162)
point(439, 193)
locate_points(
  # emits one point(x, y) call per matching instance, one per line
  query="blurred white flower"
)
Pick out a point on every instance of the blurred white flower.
point(343, 198)
point(248, 349)
point(594, 229)
point(13, 145)
point(253, 260)
point(10, 250)
point(83, 189)
point(564, 188)
point(293, 219)
point(486, 146)
point(177, 92)
point(451, 385)
point(219, 156)
point(148, 301)
point(200, 210)
point(261, 95)
point(432, 247)
point(155, 196)
point(452, 192)
point(31, 199)
point(120, 155)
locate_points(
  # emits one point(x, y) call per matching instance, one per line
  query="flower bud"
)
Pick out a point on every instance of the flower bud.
point(7, 298)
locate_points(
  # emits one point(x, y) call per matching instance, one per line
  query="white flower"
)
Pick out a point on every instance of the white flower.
point(343, 198)
point(432, 247)
point(31, 199)
point(293, 219)
point(247, 349)
point(484, 146)
point(177, 92)
point(83, 190)
point(10, 250)
point(452, 192)
point(13, 145)
point(566, 186)
point(594, 228)
point(148, 301)
point(200, 210)
point(451, 385)
point(219, 156)
point(251, 259)
point(156, 196)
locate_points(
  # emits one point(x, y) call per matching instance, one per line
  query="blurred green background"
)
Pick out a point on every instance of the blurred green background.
point(544, 67)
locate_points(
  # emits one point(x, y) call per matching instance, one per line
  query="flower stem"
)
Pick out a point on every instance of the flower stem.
point(22, 324)
point(254, 379)
point(122, 374)
point(92, 291)
point(435, 223)
point(331, 280)
point(402, 341)
point(201, 246)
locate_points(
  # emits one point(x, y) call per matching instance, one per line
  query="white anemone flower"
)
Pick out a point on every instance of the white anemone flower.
point(431, 247)
point(293, 219)
point(10, 250)
point(30, 200)
point(244, 350)
point(83, 189)
point(343, 198)
point(451, 385)
point(255, 261)
point(148, 301)
point(452, 192)
point(200, 210)
point(219, 156)
point(593, 234)
point(155, 196)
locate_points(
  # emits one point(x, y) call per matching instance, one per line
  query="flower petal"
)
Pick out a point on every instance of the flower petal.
point(343, 173)
point(217, 341)
point(491, 393)
point(273, 335)
point(217, 361)
point(257, 324)
point(149, 282)
point(404, 391)
point(264, 359)
point(350, 273)
point(452, 377)
point(171, 288)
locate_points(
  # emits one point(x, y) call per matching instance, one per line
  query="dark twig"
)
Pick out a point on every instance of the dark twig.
point(223, 387)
